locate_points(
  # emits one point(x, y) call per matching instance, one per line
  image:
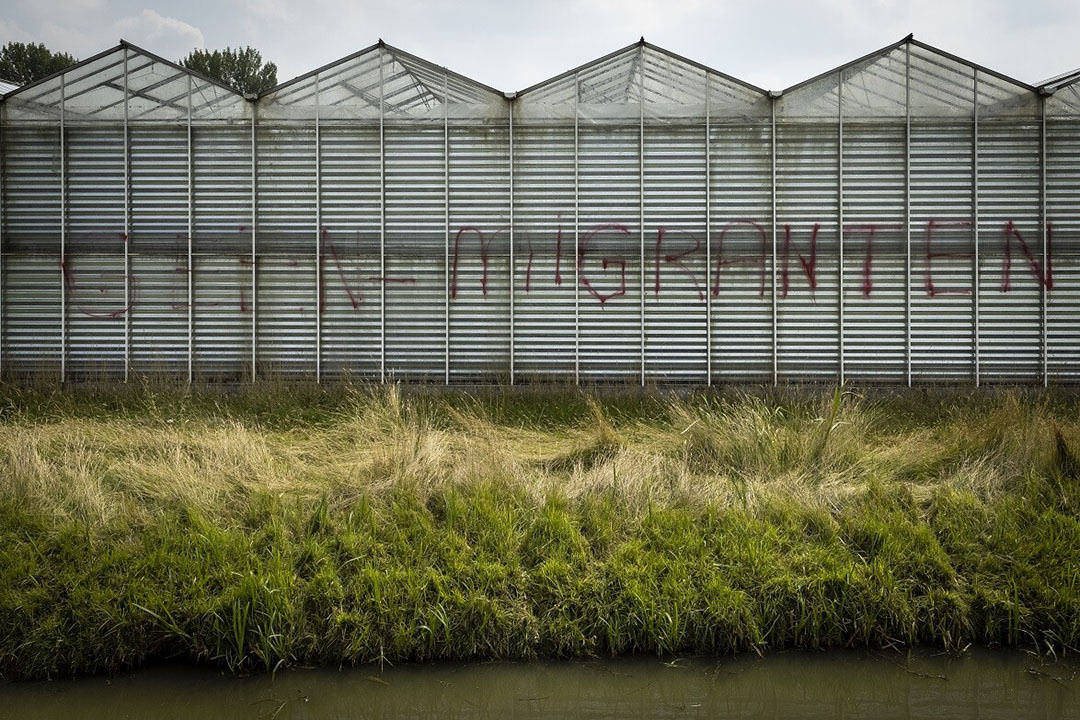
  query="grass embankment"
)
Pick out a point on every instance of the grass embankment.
point(284, 525)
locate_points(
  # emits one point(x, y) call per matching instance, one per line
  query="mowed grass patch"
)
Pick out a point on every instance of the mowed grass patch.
point(282, 524)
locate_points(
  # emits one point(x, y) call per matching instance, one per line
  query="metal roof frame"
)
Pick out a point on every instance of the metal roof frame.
point(642, 43)
point(1052, 85)
point(1046, 87)
point(396, 52)
point(130, 46)
point(910, 39)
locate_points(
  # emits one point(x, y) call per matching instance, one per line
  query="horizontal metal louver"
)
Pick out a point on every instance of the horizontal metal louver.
point(875, 260)
point(942, 302)
point(1063, 225)
point(414, 279)
point(350, 250)
point(479, 330)
point(740, 274)
point(221, 270)
point(1010, 307)
point(808, 303)
point(675, 238)
point(609, 249)
point(287, 239)
point(93, 262)
point(546, 297)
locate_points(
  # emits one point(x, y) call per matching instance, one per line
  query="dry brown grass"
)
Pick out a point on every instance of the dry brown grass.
point(729, 450)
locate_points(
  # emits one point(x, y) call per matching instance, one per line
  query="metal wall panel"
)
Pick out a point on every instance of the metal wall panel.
point(1063, 221)
point(286, 241)
point(875, 273)
point(479, 328)
point(222, 190)
point(350, 250)
point(416, 256)
point(159, 189)
point(32, 190)
point(223, 313)
point(942, 302)
point(808, 305)
point(95, 315)
point(740, 272)
point(545, 297)
point(221, 267)
point(609, 247)
point(31, 245)
point(675, 273)
point(159, 314)
point(157, 299)
point(93, 266)
point(32, 336)
point(1010, 298)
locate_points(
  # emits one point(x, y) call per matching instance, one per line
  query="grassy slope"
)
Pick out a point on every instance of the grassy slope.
point(278, 525)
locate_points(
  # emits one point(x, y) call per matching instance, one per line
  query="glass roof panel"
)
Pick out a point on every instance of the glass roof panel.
point(1065, 102)
point(94, 91)
point(876, 88)
point(411, 88)
point(1000, 98)
point(940, 86)
point(641, 79)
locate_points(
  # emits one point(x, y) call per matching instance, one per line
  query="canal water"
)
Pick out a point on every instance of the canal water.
point(980, 684)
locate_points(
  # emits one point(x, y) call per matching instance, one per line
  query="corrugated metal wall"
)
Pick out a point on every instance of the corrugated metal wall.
point(908, 218)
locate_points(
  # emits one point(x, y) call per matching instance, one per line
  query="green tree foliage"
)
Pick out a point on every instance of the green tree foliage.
point(23, 63)
point(242, 69)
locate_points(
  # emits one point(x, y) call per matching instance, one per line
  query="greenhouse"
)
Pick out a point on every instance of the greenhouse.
point(907, 218)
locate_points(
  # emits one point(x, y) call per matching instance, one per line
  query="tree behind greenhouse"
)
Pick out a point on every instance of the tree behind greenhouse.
point(242, 69)
point(23, 63)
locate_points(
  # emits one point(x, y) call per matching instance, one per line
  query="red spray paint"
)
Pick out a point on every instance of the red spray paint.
point(676, 260)
point(809, 265)
point(721, 261)
point(1046, 279)
point(621, 262)
point(931, 289)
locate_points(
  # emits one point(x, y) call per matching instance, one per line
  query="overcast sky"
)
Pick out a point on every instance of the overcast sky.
point(511, 45)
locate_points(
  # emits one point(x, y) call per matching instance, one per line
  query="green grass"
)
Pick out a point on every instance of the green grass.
point(258, 528)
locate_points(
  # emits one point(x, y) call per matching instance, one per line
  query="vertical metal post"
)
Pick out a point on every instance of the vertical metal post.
point(190, 238)
point(907, 212)
point(254, 257)
point(510, 109)
point(577, 240)
point(127, 226)
point(318, 238)
point(641, 198)
point(1045, 279)
point(382, 219)
point(840, 210)
point(708, 237)
point(446, 254)
point(3, 237)
point(63, 229)
point(772, 186)
point(975, 223)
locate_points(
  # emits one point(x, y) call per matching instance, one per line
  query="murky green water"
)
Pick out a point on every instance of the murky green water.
point(980, 684)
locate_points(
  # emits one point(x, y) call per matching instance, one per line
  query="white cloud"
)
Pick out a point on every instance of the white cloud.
point(164, 35)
